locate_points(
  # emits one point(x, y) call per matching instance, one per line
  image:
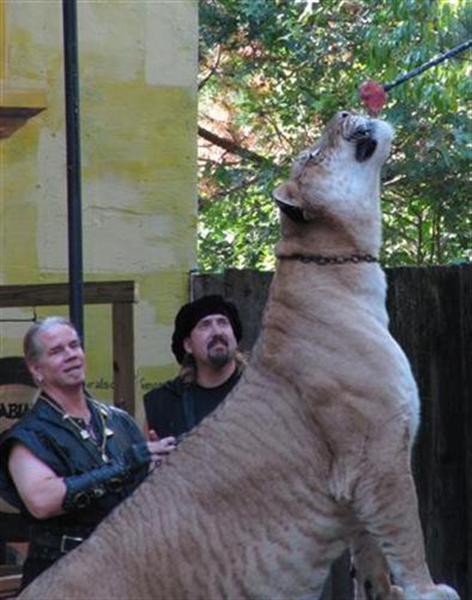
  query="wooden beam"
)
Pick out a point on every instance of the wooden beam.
point(123, 356)
point(57, 294)
point(17, 106)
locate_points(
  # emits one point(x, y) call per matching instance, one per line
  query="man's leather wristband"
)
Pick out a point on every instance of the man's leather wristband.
point(83, 489)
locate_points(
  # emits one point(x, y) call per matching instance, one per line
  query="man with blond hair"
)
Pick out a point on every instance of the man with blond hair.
point(71, 459)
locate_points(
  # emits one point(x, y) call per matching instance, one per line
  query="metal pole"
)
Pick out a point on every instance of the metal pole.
point(74, 207)
point(432, 63)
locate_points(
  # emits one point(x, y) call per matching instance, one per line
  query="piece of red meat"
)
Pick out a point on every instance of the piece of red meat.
point(373, 96)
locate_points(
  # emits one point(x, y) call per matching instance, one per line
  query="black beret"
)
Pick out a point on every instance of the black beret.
point(189, 315)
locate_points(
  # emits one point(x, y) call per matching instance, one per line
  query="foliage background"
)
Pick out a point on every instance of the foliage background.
point(272, 72)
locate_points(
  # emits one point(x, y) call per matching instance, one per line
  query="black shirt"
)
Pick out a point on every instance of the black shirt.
point(174, 408)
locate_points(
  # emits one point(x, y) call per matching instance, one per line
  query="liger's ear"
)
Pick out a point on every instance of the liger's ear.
point(287, 193)
point(288, 200)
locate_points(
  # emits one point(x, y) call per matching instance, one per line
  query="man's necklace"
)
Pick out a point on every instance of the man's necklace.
point(83, 430)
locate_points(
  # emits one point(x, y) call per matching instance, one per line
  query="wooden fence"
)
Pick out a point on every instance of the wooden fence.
point(431, 317)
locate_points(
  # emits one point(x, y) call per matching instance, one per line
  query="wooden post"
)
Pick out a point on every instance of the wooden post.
point(123, 356)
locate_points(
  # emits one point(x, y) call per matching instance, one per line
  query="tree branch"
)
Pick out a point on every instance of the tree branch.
point(231, 146)
point(202, 202)
point(212, 70)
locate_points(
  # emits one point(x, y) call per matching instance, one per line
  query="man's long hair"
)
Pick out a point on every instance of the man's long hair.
point(32, 346)
point(188, 371)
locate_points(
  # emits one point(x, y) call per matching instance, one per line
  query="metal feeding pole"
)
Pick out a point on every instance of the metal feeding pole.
point(431, 63)
point(74, 203)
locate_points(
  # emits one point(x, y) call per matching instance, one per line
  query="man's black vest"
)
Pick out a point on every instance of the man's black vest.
point(59, 444)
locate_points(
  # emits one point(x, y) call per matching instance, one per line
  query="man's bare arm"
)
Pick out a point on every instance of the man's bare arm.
point(41, 490)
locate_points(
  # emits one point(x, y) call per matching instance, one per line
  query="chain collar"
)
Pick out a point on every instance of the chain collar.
point(318, 259)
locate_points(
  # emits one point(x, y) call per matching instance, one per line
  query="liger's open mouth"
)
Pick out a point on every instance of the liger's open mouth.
point(365, 148)
point(364, 140)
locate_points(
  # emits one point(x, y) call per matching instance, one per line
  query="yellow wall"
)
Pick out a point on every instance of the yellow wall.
point(138, 123)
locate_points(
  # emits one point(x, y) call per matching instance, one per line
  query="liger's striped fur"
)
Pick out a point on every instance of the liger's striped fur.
point(310, 453)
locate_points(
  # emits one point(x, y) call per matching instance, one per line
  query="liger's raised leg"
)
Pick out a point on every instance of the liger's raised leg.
point(386, 503)
point(370, 571)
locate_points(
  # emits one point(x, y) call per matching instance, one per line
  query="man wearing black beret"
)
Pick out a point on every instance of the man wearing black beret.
point(205, 343)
